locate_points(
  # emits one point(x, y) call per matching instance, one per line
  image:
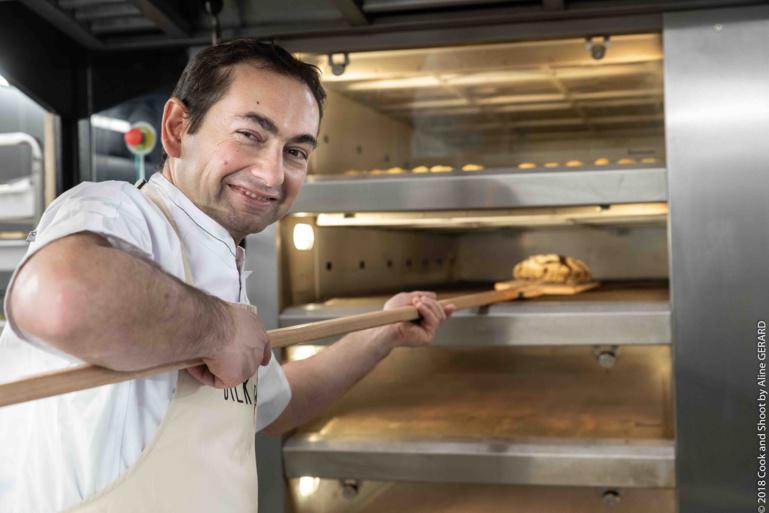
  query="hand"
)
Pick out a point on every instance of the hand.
point(239, 358)
point(420, 332)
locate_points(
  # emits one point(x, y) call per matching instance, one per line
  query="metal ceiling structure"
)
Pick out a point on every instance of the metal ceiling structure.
point(111, 25)
point(540, 89)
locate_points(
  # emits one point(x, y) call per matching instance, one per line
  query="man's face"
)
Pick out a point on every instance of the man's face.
point(248, 159)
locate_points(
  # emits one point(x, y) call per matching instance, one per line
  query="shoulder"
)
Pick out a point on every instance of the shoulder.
point(109, 193)
point(117, 210)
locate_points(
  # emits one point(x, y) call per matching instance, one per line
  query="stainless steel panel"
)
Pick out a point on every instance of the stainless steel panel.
point(717, 108)
point(262, 285)
point(631, 316)
point(441, 30)
point(487, 189)
point(352, 261)
point(104, 10)
point(36, 161)
point(619, 252)
point(11, 253)
point(332, 496)
point(262, 252)
point(378, 6)
point(127, 24)
point(564, 462)
point(356, 261)
point(499, 415)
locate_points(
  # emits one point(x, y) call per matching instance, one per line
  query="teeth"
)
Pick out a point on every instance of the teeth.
point(252, 195)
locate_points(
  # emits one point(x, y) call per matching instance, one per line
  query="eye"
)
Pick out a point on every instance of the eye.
point(297, 153)
point(251, 136)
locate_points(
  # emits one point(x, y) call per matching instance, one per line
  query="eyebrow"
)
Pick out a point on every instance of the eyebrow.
point(269, 125)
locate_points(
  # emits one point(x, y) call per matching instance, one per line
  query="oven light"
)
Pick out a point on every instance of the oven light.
point(308, 485)
point(304, 237)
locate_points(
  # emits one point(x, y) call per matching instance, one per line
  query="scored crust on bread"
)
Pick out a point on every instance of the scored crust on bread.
point(552, 268)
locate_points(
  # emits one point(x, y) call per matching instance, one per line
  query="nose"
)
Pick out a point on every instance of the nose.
point(269, 167)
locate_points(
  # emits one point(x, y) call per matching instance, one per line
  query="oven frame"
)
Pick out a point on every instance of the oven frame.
point(711, 76)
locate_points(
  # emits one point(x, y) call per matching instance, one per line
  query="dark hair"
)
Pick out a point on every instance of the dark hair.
point(207, 76)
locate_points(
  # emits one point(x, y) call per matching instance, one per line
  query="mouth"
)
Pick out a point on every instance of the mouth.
point(253, 196)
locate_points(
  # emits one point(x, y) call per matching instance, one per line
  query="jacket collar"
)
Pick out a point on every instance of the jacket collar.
point(201, 219)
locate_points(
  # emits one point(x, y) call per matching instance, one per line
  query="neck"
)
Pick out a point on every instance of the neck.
point(169, 175)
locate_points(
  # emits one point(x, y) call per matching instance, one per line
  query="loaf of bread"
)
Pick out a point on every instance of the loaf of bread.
point(553, 268)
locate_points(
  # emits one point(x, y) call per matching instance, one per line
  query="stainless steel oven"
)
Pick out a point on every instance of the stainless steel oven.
point(440, 168)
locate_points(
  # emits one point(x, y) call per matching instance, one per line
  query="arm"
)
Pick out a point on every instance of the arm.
point(321, 379)
point(106, 307)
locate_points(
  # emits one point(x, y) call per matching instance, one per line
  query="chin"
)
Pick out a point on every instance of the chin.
point(251, 229)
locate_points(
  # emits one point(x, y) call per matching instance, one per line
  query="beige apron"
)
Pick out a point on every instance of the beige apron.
point(202, 457)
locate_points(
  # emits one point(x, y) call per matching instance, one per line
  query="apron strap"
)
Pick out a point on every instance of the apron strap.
point(153, 196)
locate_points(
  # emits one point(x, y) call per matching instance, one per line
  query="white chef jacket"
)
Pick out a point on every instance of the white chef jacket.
point(55, 452)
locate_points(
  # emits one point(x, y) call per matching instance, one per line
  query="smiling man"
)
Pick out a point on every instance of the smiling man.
point(130, 279)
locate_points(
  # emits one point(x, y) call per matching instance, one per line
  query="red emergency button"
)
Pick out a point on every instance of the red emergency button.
point(133, 137)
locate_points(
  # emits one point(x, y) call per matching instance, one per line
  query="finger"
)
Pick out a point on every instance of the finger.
point(202, 375)
point(425, 293)
point(429, 319)
point(441, 310)
point(449, 309)
point(399, 299)
point(267, 355)
point(435, 308)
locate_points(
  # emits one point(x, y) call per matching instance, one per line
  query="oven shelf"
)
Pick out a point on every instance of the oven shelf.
point(614, 314)
point(544, 416)
point(499, 188)
point(593, 463)
point(330, 496)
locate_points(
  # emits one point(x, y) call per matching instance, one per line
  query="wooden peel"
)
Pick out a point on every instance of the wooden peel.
point(88, 376)
point(546, 288)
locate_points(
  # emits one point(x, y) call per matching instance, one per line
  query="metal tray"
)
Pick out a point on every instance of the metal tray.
point(617, 313)
point(326, 496)
point(499, 415)
point(494, 188)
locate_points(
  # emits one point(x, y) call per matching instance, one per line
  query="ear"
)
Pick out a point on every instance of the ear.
point(173, 127)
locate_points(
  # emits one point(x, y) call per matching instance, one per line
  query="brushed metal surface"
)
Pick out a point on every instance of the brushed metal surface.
point(552, 462)
point(499, 415)
point(619, 252)
point(386, 497)
point(11, 253)
point(36, 163)
point(487, 189)
point(262, 288)
point(717, 107)
point(617, 314)
point(355, 261)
